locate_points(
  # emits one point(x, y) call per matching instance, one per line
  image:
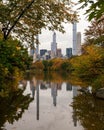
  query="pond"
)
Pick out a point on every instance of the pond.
point(49, 102)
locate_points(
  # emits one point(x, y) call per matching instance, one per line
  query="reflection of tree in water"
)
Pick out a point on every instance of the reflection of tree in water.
point(89, 111)
point(48, 76)
point(13, 106)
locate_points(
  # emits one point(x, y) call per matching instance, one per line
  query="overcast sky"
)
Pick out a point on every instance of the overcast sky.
point(63, 40)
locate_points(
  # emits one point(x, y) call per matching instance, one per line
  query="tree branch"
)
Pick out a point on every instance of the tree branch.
point(16, 21)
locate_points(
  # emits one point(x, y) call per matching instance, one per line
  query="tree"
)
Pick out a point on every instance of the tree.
point(89, 65)
point(95, 32)
point(26, 18)
point(12, 101)
point(89, 111)
point(95, 8)
point(13, 57)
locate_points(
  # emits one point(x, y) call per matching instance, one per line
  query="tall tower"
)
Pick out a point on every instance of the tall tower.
point(53, 46)
point(36, 52)
point(78, 43)
point(32, 47)
point(37, 45)
point(74, 52)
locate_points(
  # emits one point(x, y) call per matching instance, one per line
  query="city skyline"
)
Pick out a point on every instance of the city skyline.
point(63, 40)
point(75, 49)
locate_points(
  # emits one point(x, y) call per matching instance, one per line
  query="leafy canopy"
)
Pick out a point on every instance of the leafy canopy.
point(26, 18)
point(95, 8)
point(95, 32)
point(12, 56)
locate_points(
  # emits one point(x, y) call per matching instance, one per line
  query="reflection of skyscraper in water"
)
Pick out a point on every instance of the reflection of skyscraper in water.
point(54, 92)
point(59, 85)
point(43, 86)
point(74, 118)
point(34, 85)
point(37, 101)
point(68, 87)
point(75, 93)
point(32, 88)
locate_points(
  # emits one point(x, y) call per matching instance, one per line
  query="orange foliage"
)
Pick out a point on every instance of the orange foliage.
point(38, 65)
point(57, 63)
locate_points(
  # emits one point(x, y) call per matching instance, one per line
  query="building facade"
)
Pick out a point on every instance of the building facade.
point(54, 46)
point(74, 51)
point(78, 43)
point(42, 52)
point(68, 52)
point(59, 52)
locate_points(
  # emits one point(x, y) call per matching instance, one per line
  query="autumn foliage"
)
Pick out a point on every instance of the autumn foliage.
point(56, 64)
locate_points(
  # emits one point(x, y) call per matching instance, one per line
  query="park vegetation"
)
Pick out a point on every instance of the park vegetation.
point(26, 18)
point(94, 8)
point(14, 60)
point(89, 66)
point(20, 23)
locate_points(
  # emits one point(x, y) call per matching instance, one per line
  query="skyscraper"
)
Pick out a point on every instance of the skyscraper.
point(74, 38)
point(78, 43)
point(36, 52)
point(53, 46)
point(32, 47)
point(37, 45)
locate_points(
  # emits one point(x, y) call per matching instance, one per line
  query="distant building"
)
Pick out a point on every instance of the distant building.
point(59, 52)
point(49, 52)
point(54, 46)
point(34, 50)
point(76, 40)
point(34, 58)
point(47, 56)
point(68, 52)
point(32, 47)
point(37, 45)
point(78, 43)
point(74, 52)
point(42, 52)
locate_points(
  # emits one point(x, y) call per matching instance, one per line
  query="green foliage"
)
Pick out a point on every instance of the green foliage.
point(98, 83)
point(90, 66)
point(65, 65)
point(45, 63)
point(27, 17)
point(95, 8)
point(50, 63)
point(13, 56)
point(12, 106)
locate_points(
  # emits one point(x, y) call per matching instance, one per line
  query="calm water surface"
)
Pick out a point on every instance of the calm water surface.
point(51, 108)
